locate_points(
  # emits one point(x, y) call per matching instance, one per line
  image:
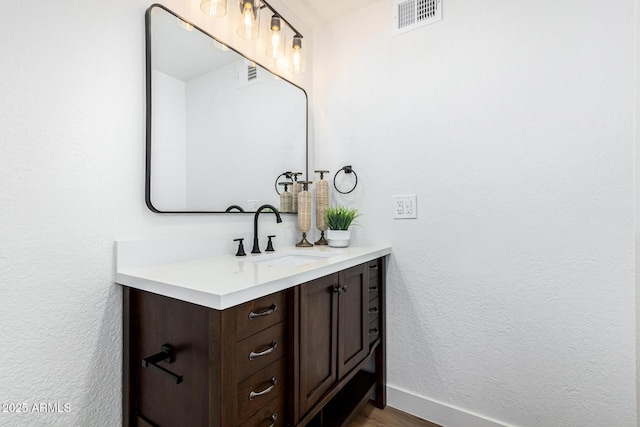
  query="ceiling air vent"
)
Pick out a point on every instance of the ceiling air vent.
point(247, 73)
point(411, 14)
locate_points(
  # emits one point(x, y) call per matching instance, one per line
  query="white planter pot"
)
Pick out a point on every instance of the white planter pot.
point(338, 238)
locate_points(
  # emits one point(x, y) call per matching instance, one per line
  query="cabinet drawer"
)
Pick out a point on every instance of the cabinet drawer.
point(374, 309)
point(257, 315)
point(262, 387)
point(271, 415)
point(261, 349)
point(374, 330)
point(374, 268)
point(374, 289)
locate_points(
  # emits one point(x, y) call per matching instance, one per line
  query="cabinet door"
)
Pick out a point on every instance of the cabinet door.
point(353, 324)
point(157, 397)
point(318, 339)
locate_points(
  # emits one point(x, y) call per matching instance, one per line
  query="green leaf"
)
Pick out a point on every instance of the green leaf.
point(340, 217)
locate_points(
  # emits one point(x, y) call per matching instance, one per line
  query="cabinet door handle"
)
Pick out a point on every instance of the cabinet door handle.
point(267, 312)
point(373, 332)
point(373, 267)
point(373, 310)
point(271, 347)
point(255, 394)
point(340, 289)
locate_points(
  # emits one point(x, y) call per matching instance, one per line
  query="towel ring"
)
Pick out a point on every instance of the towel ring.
point(286, 175)
point(345, 169)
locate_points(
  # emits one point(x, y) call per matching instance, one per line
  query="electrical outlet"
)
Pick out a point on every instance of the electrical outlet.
point(405, 207)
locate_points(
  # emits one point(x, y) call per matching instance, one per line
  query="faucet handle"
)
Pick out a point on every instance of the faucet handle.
point(240, 247)
point(270, 244)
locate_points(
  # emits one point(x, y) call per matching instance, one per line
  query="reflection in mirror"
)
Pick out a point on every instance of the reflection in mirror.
point(220, 128)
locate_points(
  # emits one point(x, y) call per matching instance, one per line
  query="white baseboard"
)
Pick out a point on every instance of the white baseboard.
point(437, 412)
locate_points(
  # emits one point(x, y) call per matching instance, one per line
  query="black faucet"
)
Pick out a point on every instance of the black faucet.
point(256, 246)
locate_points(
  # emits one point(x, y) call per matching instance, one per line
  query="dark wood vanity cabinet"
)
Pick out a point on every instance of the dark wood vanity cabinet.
point(230, 367)
point(310, 355)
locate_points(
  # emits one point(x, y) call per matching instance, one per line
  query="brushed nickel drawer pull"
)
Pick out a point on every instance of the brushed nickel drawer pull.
point(373, 267)
point(273, 418)
point(267, 312)
point(255, 394)
point(373, 289)
point(271, 347)
point(373, 332)
point(373, 310)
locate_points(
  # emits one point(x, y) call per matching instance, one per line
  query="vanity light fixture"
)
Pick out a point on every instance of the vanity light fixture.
point(296, 57)
point(214, 8)
point(249, 29)
point(249, 25)
point(275, 42)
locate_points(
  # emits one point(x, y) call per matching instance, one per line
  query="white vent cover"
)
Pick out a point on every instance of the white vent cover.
point(411, 14)
point(247, 73)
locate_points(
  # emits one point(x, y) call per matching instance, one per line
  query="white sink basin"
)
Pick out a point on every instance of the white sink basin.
point(291, 258)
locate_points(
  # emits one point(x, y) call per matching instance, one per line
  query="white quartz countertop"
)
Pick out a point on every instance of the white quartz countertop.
point(225, 281)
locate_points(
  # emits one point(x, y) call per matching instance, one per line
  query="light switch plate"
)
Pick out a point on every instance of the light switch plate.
point(405, 207)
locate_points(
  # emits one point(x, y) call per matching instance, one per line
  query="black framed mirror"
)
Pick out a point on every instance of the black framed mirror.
point(220, 128)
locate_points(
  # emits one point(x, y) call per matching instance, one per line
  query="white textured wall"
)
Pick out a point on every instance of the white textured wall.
point(637, 218)
point(512, 295)
point(72, 132)
point(513, 119)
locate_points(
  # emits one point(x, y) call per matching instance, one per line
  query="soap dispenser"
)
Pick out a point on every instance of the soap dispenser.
point(286, 198)
point(322, 203)
point(295, 189)
point(304, 214)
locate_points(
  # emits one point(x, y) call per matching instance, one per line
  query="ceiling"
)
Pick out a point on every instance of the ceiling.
point(179, 53)
point(318, 12)
point(184, 54)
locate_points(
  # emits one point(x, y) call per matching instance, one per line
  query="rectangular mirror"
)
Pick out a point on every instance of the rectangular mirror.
point(221, 129)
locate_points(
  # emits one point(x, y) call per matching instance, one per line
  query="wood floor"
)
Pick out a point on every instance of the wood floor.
point(389, 417)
